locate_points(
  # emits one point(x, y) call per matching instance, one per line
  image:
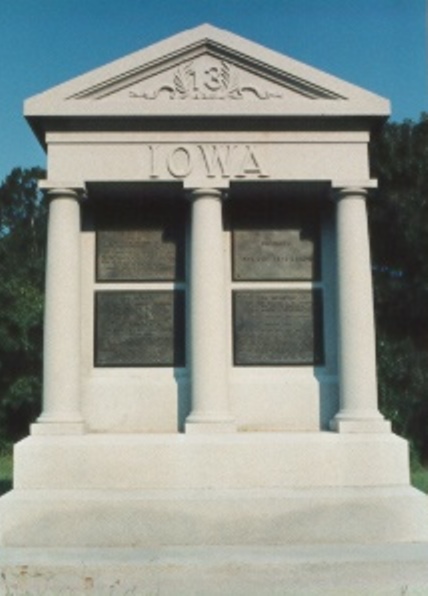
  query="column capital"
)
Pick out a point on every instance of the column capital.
point(78, 194)
point(350, 192)
point(63, 188)
point(368, 183)
point(193, 194)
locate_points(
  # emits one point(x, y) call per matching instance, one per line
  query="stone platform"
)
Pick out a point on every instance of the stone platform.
point(238, 489)
point(244, 513)
point(227, 460)
point(330, 570)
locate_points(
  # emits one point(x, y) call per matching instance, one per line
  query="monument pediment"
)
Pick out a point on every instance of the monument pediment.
point(206, 72)
point(208, 76)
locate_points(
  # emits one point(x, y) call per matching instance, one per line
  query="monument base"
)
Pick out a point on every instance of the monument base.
point(227, 517)
point(353, 570)
point(248, 489)
point(237, 513)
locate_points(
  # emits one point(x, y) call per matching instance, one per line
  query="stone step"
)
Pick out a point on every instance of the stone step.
point(235, 461)
point(223, 517)
point(333, 570)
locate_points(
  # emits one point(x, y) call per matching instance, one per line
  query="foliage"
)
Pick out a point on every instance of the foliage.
point(6, 468)
point(403, 382)
point(419, 475)
point(399, 232)
point(22, 247)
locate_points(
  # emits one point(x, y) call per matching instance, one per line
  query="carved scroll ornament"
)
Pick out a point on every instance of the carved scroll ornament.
point(219, 81)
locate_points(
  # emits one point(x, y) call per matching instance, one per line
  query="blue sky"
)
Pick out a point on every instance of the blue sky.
point(377, 44)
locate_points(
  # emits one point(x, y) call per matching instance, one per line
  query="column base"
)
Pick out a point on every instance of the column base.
point(42, 427)
point(348, 423)
point(203, 424)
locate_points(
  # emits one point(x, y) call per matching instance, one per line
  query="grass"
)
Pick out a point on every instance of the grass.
point(419, 475)
point(6, 468)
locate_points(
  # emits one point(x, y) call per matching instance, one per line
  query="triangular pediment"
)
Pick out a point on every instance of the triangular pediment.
point(206, 72)
point(209, 74)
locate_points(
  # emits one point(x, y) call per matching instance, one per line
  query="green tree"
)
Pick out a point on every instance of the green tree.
point(22, 248)
point(399, 232)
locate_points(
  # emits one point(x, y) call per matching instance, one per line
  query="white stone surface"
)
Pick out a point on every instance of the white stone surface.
point(128, 518)
point(227, 461)
point(208, 336)
point(219, 489)
point(275, 84)
point(354, 570)
point(135, 505)
point(356, 339)
point(112, 159)
point(264, 399)
point(61, 372)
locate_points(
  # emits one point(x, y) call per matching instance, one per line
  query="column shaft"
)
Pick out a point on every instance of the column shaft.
point(208, 328)
point(356, 330)
point(61, 364)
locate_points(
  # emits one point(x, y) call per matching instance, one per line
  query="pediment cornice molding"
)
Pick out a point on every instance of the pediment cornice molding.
point(205, 72)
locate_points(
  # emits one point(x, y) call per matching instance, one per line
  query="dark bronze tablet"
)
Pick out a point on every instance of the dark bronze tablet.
point(145, 243)
point(277, 327)
point(272, 242)
point(135, 328)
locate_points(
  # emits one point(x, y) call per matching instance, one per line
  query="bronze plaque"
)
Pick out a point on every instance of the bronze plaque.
point(273, 241)
point(149, 249)
point(139, 328)
point(277, 327)
point(272, 255)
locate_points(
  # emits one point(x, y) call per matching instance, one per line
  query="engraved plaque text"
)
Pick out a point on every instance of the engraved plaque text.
point(275, 245)
point(146, 246)
point(135, 328)
point(277, 327)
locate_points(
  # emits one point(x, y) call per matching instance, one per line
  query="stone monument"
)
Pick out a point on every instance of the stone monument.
point(210, 389)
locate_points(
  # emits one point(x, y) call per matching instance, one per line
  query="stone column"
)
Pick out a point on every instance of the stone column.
point(356, 332)
point(208, 328)
point(61, 373)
